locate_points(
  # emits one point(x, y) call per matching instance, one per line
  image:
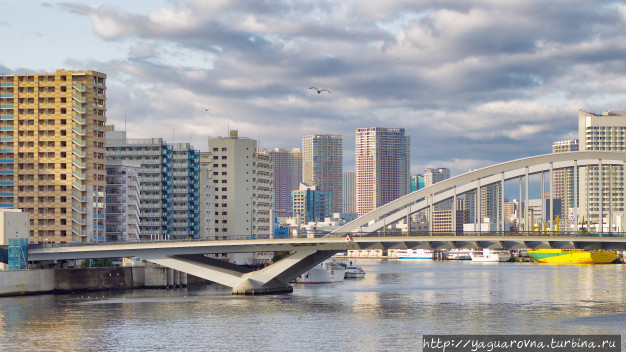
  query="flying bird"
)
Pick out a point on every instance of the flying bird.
point(205, 109)
point(319, 91)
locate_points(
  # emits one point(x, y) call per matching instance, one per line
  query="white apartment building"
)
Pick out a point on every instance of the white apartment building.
point(243, 188)
point(322, 157)
point(604, 132)
point(434, 175)
point(122, 201)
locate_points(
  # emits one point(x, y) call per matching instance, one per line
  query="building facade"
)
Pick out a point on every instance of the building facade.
point(322, 157)
point(563, 179)
point(311, 204)
point(382, 166)
point(186, 188)
point(287, 178)
point(155, 179)
point(243, 182)
point(434, 175)
point(122, 201)
point(601, 189)
point(52, 154)
point(349, 192)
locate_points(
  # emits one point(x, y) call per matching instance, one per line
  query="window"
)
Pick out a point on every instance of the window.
point(223, 181)
point(223, 149)
point(215, 149)
point(224, 165)
point(223, 157)
point(223, 172)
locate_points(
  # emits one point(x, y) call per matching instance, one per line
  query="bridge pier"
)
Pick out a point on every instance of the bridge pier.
point(273, 279)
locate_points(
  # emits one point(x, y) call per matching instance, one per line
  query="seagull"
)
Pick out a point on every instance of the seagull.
point(205, 109)
point(319, 91)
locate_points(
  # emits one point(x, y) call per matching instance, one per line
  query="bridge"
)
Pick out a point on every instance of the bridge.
point(189, 256)
point(365, 232)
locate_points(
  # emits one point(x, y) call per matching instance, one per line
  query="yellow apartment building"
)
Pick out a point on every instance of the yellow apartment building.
point(52, 153)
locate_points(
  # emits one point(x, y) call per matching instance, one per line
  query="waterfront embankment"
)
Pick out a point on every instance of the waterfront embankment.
point(64, 280)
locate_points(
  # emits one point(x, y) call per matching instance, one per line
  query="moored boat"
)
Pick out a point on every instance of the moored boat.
point(572, 256)
point(415, 253)
point(354, 271)
point(459, 254)
point(326, 272)
point(490, 255)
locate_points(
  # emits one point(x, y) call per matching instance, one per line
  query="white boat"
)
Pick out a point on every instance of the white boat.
point(459, 254)
point(354, 271)
point(490, 255)
point(326, 272)
point(415, 254)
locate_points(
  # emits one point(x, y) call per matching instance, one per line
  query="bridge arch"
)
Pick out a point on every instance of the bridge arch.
point(425, 198)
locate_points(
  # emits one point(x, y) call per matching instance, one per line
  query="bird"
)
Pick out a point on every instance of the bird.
point(205, 109)
point(319, 91)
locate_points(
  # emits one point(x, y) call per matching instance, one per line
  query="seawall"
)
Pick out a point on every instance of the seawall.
point(41, 281)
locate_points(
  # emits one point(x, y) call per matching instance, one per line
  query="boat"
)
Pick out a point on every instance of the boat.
point(459, 254)
point(415, 254)
point(572, 256)
point(354, 271)
point(326, 272)
point(490, 255)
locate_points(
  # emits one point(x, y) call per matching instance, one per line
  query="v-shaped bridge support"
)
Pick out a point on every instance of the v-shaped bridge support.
point(244, 281)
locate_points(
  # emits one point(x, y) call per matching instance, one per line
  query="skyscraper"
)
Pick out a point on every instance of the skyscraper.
point(434, 175)
point(287, 178)
point(322, 165)
point(382, 166)
point(601, 132)
point(52, 151)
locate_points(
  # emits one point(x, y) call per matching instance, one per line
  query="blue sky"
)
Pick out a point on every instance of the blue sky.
point(473, 82)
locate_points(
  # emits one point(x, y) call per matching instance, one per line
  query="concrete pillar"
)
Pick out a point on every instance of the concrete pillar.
point(575, 205)
point(454, 212)
point(527, 222)
point(543, 201)
point(176, 278)
point(183, 279)
point(501, 209)
point(519, 205)
point(551, 204)
point(170, 277)
point(601, 196)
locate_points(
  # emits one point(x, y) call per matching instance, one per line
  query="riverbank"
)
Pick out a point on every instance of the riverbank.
point(66, 280)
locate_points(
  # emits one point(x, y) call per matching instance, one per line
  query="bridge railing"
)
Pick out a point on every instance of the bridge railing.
point(477, 233)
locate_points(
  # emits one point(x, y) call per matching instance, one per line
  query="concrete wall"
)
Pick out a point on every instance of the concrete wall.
point(19, 282)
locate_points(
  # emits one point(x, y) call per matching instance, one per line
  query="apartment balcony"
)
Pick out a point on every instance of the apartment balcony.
point(7, 205)
point(6, 106)
point(6, 95)
point(78, 174)
point(79, 120)
point(6, 117)
point(78, 108)
point(79, 98)
point(79, 86)
point(79, 163)
point(6, 84)
point(79, 141)
point(78, 130)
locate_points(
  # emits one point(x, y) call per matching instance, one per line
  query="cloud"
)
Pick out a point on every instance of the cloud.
point(473, 82)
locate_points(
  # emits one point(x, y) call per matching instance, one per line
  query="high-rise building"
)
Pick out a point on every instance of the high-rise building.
point(434, 175)
point(382, 166)
point(605, 132)
point(207, 202)
point(563, 179)
point(417, 182)
point(322, 156)
point(244, 191)
point(122, 201)
point(287, 178)
point(310, 203)
point(185, 187)
point(52, 153)
point(155, 180)
point(349, 192)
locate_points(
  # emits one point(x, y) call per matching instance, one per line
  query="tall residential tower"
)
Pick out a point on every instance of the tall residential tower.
point(382, 167)
point(52, 154)
point(322, 165)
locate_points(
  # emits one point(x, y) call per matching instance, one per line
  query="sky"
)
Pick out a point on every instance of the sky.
point(473, 83)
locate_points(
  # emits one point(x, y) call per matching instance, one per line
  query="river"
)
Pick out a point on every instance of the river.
point(389, 310)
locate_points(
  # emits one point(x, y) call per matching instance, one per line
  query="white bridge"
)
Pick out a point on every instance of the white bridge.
point(190, 256)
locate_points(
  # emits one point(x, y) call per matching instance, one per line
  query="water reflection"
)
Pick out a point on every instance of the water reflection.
point(390, 309)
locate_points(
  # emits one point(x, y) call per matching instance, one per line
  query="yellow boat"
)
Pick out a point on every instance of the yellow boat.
point(572, 256)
